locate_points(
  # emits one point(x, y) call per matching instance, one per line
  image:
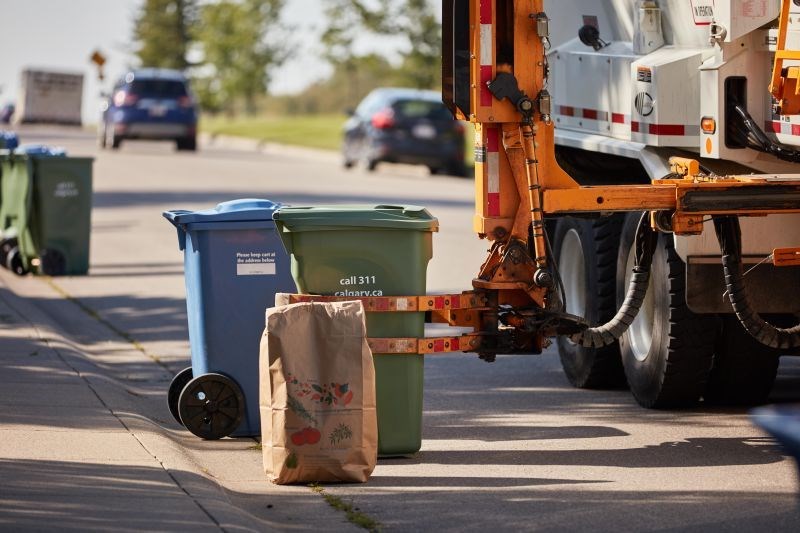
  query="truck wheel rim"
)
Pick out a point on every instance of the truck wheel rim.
point(640, 334)
point(572, 267)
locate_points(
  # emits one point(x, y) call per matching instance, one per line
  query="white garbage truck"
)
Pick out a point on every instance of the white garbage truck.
point(589, 113)
point(640, 82)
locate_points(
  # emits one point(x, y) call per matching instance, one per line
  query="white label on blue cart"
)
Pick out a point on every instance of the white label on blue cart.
point(255, 263)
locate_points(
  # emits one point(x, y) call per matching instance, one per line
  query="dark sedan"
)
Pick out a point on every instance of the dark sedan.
point(410, 126)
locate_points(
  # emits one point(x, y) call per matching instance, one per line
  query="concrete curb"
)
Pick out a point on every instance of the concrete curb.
point(194, 473)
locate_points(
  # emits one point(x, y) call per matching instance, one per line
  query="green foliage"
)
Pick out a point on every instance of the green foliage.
point(162, 31)
point(241, 41)
point(348, 84)
point(415, 20)
point(422, 66)
point(343, 24)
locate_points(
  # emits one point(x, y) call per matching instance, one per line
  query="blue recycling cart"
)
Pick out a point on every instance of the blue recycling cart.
point(234, 264)
point(8, 140)
point(783, 423)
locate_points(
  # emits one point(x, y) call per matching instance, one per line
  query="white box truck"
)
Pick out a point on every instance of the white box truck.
point(49, 97)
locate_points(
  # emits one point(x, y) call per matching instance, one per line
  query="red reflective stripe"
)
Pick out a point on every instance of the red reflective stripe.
point(676, 130)
point(591, 114)
point(774, 127)
point(492, 140)
point(494, 204)
point(617, 118)
point(455, 344)
point(382, 305)
point(438, 345)
point(438, 302)
point(486, 12)
point(567, 111)
point(486, 77)
point(455, 302)
point(795, 129)
point(667, 129)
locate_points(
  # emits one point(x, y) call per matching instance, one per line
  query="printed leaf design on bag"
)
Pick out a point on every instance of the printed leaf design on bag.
point(297, 407)
point(338, 394)
point(341, 433)
point(291, 461)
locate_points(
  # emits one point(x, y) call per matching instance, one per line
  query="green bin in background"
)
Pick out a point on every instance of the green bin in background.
point(360, 251)
point(4, 155)
point(45, 215)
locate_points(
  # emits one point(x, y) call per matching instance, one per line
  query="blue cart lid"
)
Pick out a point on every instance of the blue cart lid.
point(243, 210)
point(40, 150)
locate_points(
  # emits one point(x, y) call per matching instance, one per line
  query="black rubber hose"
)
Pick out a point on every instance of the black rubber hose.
point(752, 136)
point(729, 235)
point(608, 333)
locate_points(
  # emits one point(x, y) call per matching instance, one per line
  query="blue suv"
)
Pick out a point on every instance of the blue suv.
point(150, 104)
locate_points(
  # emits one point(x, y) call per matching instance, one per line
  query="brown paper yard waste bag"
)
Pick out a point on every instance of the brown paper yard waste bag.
point(317, 394)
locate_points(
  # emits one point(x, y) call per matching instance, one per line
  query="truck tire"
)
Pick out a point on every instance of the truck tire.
point(667, 352)
point(186, 144)
point(744, 370)
point(586, 254)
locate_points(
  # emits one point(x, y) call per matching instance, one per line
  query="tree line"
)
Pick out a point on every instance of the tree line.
point(231, 47)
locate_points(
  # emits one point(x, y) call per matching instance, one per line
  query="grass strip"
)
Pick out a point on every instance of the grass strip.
point(354, 516)
point(313, 131)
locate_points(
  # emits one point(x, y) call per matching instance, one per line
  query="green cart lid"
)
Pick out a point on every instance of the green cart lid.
point(332, 217)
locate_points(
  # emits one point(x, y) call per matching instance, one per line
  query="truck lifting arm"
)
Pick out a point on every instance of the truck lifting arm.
point(495, 75)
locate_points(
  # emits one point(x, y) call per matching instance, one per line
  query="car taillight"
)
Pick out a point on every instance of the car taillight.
point(185, 102)
point(383, 119)
point(122, 99)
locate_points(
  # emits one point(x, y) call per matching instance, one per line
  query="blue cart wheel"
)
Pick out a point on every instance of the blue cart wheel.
point(211, 406)
point(175, 388)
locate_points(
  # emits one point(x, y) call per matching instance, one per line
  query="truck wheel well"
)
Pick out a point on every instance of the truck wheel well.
point(595, 168)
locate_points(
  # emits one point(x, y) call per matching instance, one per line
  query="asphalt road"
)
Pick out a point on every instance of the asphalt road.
point(506, 446)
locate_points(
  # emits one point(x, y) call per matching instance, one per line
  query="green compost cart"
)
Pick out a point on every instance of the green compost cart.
point(45, 214)
point(380, 250)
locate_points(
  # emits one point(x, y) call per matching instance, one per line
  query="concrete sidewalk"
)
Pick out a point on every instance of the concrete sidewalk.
point(83, 449)
point(87, 441)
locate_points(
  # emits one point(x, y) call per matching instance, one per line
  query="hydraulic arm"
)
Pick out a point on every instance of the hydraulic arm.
point(495, 75)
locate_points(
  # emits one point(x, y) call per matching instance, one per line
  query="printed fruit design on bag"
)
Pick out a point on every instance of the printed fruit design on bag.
point(330, 394)
point(307, 435)
point(326, 396)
